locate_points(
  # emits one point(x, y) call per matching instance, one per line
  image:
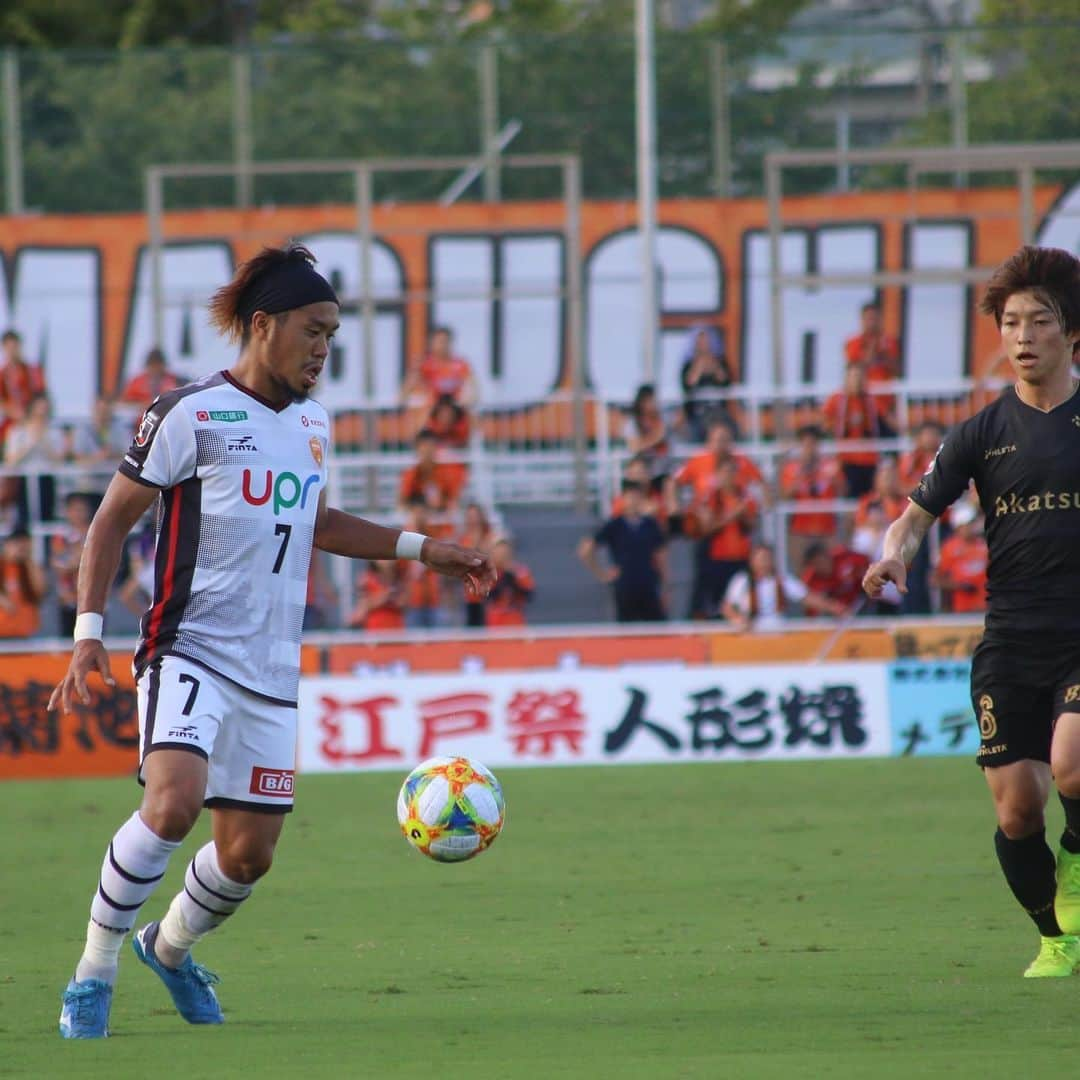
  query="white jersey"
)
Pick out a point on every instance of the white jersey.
point(240, 480)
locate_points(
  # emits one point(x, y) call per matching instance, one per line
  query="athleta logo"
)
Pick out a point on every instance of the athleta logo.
point(275, 782)
point(286, 489)
point(998, 451)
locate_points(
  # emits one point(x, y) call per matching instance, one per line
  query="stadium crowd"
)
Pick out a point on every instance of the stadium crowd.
point(767, 543)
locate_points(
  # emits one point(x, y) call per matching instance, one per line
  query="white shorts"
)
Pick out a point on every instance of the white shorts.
point(250, 743)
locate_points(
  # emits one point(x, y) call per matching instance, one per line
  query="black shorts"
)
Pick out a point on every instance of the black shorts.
point(1019, 689)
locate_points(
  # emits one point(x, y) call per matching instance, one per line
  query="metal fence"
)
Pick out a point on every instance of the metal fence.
point(80, 127)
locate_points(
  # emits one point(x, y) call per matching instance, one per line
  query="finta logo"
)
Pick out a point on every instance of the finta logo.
point(286, 490)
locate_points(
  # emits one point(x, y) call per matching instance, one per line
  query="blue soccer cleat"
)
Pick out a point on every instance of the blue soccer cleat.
point(190, 985)
point(85, 1014)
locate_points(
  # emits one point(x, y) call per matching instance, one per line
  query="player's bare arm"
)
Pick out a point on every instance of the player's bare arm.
point(902, 541)
point(124, 503)
point(354, 537)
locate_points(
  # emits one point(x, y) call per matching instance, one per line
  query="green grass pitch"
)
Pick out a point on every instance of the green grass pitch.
point(842, 919)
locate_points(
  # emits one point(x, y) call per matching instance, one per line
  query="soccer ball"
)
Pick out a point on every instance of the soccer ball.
point(450, 808)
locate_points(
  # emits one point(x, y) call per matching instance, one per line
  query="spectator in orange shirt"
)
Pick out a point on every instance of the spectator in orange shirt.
point(423, 589)
point(512, 592)
point(729, 525)
point(476, 533)
point(915, 462)
point(886, 494)
point(853, 413)
point(381, 597)
point(961, 568)
point(154, 380)
point(20, 382)
point(437, 485)
point(65, 552)
point(877, 351)
point(836, 572)
point(440, 373)
point(449, 422)
point(22, 587)
point(810, 476)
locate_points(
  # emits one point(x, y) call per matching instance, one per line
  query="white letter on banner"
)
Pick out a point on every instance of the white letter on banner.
point(54, 306)
point(690, 282)
point(1061, 226)
point(936, 316)
point(816, 321)
point(190, 273)
point(341, 385)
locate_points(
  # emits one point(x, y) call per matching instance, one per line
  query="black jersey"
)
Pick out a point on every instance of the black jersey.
point(1026, 467)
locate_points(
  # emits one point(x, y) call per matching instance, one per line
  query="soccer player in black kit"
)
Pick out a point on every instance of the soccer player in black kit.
point(1023, 453)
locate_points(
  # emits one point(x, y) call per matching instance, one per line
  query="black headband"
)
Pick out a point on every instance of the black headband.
point(291, 284)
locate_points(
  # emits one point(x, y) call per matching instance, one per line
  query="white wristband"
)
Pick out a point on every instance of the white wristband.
point(409, 545)
point(89, 625)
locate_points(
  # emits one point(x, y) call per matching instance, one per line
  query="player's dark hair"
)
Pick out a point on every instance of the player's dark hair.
point(225, 304)
point(1052, 275)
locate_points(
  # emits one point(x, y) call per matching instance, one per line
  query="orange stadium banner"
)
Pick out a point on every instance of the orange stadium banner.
point(78, 287)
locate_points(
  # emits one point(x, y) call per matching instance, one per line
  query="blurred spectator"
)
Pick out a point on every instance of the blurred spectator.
point(915, 462)
point(12, 510)
point(154, 380)
point(853, 413)
point(810, 476)
point(320, 602)
point(648, 437)
point(20, 382)
point(877, 351)
point(137, 591)
point(729, 525)
point(961, 568)
point(449, 423)
point(32, 443)
point(886, 494)
point(637, 470)
point(699, 473)
point(440, 373)
point(760, 598)
point(381, 591)
point(836, 572)
point(512, 592)
point(476, 533)
point(104, 439)
point(636, 547)
point(22, 587)
point(705, 368)
point(423, 589)
point(436, 484)
point(65, 553)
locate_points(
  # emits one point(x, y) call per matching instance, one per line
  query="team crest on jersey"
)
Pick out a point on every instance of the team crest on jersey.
point(315, 445)
point(146, 428)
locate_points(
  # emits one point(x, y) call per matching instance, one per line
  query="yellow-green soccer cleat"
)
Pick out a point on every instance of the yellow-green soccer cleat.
point(1067, 900)
point(1058, 957)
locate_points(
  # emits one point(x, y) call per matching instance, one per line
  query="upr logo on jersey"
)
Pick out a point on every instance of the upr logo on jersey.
point(277, 783)
point(286, 490)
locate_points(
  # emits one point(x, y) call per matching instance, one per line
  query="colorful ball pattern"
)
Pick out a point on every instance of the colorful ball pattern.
point(450, 808)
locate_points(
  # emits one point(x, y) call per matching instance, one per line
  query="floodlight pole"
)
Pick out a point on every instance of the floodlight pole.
point(645, 88)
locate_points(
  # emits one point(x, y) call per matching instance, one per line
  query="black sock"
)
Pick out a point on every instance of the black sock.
point(1029, 868)
point(1070, 838)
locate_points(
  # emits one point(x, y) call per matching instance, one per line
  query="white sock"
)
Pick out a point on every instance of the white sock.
point(206, 901)
point(133, 867)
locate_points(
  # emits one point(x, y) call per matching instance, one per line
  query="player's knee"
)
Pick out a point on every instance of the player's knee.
point(1017, 820)
point(245, 861)
point(169, 814)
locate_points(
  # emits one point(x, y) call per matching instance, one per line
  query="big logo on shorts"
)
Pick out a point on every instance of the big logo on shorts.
point(277, 783)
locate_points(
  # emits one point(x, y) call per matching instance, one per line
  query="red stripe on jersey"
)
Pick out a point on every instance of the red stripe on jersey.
point(167, 583)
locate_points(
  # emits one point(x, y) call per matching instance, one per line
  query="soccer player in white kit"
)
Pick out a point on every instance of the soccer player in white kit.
point(239, 462)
